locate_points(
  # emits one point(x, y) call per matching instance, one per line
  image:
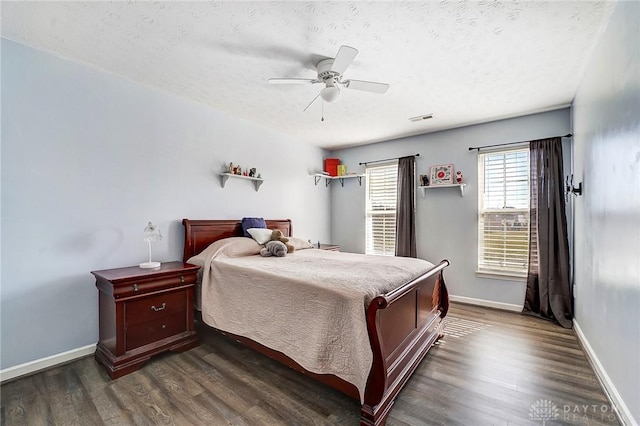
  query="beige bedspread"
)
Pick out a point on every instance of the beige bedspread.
point(309, 305)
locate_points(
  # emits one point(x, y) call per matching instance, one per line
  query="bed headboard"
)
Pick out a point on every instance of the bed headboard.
point(198, 234)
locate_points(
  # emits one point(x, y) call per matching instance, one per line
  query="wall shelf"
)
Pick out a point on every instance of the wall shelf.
point(328, 179)
point(459, 185)
point(224, 177)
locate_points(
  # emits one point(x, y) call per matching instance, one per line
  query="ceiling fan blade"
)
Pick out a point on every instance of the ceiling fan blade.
point(367, 86)
point(343, 59)
point(292, 81)
point(314, 99)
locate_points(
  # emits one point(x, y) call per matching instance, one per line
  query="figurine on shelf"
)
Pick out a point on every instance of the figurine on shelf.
point(252, 172)
point(424, 180)
point(239, 171)
point(230, 169)
point(458, 176)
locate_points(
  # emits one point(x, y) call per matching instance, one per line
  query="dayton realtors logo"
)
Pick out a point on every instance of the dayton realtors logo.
point(545, 410)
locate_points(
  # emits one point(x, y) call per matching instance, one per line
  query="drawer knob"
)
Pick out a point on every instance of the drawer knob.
point(153, 307)
point(135, 287)
point(164, 326)
point(182, 279)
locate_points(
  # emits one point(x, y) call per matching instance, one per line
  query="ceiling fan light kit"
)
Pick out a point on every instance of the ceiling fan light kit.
point(329, 71)
point(331, 93)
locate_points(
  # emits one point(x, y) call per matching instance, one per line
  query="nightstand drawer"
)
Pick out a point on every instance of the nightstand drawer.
point(149, 285)
point(152, 331)
point(154, 307)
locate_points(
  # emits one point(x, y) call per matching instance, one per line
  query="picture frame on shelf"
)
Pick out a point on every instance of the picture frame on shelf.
point(442, 174)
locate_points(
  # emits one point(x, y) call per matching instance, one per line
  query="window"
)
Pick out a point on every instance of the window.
point(503, 220)
point(382, 188)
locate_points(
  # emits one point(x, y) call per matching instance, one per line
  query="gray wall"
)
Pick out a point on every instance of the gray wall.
point(88, 158)
point(446, 222)
point(606, 120)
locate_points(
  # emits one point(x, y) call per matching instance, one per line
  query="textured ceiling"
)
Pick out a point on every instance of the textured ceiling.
point(464, 61)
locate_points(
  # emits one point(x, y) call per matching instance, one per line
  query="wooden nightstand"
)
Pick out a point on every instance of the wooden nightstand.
point(143, 312)
point(332, 247)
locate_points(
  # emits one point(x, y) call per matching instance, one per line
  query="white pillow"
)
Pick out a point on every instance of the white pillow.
point(299, 243)
point(261, 235)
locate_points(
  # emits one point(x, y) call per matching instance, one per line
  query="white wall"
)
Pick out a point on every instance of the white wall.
point(88, 158)
point(606, 119)
point(446, 222)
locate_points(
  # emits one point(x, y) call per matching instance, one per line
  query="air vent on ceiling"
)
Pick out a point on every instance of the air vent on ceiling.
point(421, 117)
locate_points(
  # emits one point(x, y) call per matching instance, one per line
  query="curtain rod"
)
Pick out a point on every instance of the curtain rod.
point(386, 159)
point(513, 143)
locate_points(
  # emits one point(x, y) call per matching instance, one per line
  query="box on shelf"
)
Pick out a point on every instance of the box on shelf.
point(331, 166)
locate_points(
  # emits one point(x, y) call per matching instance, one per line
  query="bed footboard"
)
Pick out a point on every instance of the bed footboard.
point(403, 325)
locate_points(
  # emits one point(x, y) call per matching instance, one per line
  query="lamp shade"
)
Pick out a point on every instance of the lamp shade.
point(330, 93)
point(152, 233)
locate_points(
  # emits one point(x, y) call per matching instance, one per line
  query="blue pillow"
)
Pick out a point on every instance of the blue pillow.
point(252, 222)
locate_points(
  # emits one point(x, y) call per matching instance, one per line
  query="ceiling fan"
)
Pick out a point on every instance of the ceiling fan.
point(330, 73)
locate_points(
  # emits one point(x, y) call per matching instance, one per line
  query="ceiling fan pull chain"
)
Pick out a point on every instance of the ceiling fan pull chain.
point(322, 118)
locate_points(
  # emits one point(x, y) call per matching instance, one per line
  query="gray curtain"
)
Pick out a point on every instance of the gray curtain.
point(405, 208)
point(548, 292)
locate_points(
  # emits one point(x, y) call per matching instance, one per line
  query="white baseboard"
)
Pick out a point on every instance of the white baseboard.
point(618, 403)
point(487, 303)
point(43, 363)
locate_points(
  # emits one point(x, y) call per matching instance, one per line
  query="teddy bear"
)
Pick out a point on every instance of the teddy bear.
point(277, 235)
point(274, 248)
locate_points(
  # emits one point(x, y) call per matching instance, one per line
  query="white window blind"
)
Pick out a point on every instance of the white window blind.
point(382, 188)
point(503, 220)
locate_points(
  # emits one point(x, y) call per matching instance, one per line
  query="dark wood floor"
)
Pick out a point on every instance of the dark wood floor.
point(491, 368)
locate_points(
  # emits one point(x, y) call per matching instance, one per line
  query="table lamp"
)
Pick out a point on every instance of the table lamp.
point(151, 234)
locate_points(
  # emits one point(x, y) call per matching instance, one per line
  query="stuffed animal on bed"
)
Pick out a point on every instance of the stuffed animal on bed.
point(274, 248)
point(277, 236)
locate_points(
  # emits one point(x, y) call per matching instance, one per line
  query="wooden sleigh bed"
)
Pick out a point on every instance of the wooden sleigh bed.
point(402, 324)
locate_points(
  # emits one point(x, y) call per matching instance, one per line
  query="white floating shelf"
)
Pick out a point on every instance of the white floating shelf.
point(459, 185)
point(224, 177)
point(328, 179)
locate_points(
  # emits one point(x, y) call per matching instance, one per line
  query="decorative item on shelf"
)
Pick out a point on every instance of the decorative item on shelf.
point(331, 166)
point(442, 174)
point(424, 180)
point(237, 170)
point(151, 234)
point(570, 189)
point(459, 176)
